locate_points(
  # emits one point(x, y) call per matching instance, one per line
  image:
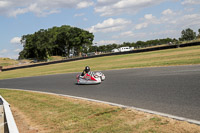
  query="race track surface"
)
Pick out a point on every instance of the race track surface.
point(172, 90)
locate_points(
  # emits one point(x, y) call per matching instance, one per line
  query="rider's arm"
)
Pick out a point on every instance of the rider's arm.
point(83, 73)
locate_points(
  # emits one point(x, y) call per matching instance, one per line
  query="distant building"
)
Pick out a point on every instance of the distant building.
point(123, 49)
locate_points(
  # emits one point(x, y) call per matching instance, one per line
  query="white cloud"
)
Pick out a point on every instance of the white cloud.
point(18, 11)
point(13, 56)
point(79, 15)
point(8, 53)
point(85, 19)
point(148, 16)
point(124, 35)
point(110, 25)
point(189, 9)
point(4, 4)
point(180, 21)
point(105, 42)
point(15, 40)
point(165, 25)
point(115, 7)
point(190, 2)
point(189, 21)
point(84, 4)
point(17, 50)
point(168, 16)
point(166, 33)
point(39, 7)
point(130, 34)
point(141, 25)
point(167, 12)
point(4, 51)
point(127, 33)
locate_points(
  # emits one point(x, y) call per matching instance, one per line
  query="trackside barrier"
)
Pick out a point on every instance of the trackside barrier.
point(2, 128)
point(9, 122)
point(109, 54)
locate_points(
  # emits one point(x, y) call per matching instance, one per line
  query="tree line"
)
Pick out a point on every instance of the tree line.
point(138, 44)
point(56, 41)
point(64, 40)
point(186, 35)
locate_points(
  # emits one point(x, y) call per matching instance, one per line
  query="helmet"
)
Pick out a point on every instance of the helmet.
point(87, 69)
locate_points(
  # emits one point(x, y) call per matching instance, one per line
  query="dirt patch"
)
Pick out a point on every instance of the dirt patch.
point(145, 122)
point(24, 124)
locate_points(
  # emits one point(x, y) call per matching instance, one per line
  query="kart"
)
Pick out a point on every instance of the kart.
point(91, 78)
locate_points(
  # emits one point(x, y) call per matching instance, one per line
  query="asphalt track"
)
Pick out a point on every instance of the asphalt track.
point(172, 90)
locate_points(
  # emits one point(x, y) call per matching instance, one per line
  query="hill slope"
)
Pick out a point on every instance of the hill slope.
point(179, 56)
point(7, 62)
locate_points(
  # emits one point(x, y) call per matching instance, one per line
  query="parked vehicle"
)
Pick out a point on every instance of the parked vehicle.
point(123, 49)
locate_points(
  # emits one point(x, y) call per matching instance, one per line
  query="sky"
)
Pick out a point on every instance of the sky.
point(111, 21)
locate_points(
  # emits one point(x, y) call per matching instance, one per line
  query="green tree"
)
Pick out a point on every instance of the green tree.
point(140, 44)
point(83, 41)
point(55, 41)
point(199, 33)
point(93, 49)
point(187, 34)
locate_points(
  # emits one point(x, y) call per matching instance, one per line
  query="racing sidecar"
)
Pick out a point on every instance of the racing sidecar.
point(90, 78)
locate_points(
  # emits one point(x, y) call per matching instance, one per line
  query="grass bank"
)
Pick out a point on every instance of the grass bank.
point(36, 112)
point(7, 62)
point(179, 56)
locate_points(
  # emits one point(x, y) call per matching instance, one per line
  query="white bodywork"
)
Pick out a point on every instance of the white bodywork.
point(101, 75)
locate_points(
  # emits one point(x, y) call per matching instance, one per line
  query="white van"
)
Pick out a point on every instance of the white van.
point(123, 49)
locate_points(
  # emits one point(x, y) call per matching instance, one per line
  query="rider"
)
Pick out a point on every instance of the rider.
point(86, 70)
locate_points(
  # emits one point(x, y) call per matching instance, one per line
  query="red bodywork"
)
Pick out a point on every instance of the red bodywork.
point(86, 77)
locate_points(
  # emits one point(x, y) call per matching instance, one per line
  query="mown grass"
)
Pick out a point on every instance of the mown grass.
point(56, 114)
point(179, 56)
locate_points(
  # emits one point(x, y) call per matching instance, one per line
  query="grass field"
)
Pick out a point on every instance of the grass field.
point(44, 113)
point(7, 62)
point(179, 56)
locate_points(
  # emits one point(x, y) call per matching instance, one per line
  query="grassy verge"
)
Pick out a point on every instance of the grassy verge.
point(56, 114)
point(180, 56)
point(7, 62)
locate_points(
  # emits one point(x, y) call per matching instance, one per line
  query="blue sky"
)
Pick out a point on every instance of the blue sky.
point(111, 21)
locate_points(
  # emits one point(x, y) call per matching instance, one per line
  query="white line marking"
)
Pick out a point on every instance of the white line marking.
point(122, 106)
